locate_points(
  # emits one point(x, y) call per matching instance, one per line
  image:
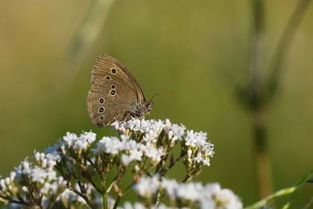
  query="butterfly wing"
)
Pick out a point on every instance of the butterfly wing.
point(113, 91)
point(134, 82)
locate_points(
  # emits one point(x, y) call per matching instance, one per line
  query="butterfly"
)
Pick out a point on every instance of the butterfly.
point(115, 95)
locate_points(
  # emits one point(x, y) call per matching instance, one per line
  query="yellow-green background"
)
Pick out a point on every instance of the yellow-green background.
point(190, 52)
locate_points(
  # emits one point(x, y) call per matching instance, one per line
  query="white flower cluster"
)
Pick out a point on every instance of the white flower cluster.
point(26, 175)
point(199, 150)
point(79, 143)
point(81, 159)
point(7, 185)
point(210, 196)
point(47, 160)
point(44, 178)
point(47, 178)
point(151, 128)
point(132, 151)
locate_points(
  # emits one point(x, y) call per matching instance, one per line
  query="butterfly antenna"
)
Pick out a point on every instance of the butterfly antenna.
point(152, 98)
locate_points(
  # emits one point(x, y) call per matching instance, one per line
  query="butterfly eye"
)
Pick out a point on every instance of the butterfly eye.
point(113, 86)
point(113, 70)
point(101, 109)
point(101, 117)
point(101, 101)
point(112, 92)
point(108, 78)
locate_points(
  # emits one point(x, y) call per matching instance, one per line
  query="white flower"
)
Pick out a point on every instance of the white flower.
point(81, 143)
point(195, 139)
point(170, 187)
point(45, 178)
point(126, 159)
point(150, 128)
point(199, 147)
point(147, 186)
point(36, 174)
point(132, 151)
point(199, 150)
point(111, 145)
point(135, 155)
point(128, 205)
point(137, 205)
point(210, 196)
point(176, 132)
point(68, 197)
point(153, 153)
point(4, 186)
point(198, 158)
point(47, 160)
point(50, 188)
point(70, 138)
point(189, 191)
point(222, 198)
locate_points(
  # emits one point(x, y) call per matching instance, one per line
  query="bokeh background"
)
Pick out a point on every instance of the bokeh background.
point(190, 52)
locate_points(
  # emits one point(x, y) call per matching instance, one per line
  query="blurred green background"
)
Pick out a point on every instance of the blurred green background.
point(190, 52)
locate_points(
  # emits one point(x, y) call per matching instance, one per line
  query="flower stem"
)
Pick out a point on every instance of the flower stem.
point(105, 201)
point(117, 201)
point(105, 193)
point(263, 202)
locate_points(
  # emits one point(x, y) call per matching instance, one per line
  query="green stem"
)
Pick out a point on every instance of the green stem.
point(292, 191)
point(187, 178)
point(105, 195)
point(105, 201)
point(282, 192)
point(299, 185)
point(84, 197)
point(117, 201)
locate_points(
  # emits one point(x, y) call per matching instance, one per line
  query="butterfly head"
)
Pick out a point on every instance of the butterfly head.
point(149, 104)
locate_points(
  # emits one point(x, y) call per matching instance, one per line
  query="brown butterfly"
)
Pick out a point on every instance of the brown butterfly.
point(115, 95)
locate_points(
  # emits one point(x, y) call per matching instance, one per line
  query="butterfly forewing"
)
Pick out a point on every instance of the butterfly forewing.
point(113, 91)
point(139, 92)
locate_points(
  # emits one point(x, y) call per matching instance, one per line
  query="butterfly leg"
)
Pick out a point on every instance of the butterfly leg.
point(127, 116)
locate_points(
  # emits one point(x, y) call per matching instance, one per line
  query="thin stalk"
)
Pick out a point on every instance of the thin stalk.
point(290, 191)
point(280, 193)
point(187, 179)
point(262, 162)
point(257, 111)
point(284, 43)
point(84, 197)
point(260, 90)
point(117, 201)
point(171, 165)
point(105, 201)
point(105, 204)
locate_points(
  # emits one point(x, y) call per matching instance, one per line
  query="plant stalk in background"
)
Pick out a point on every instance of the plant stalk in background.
point(260, 89)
